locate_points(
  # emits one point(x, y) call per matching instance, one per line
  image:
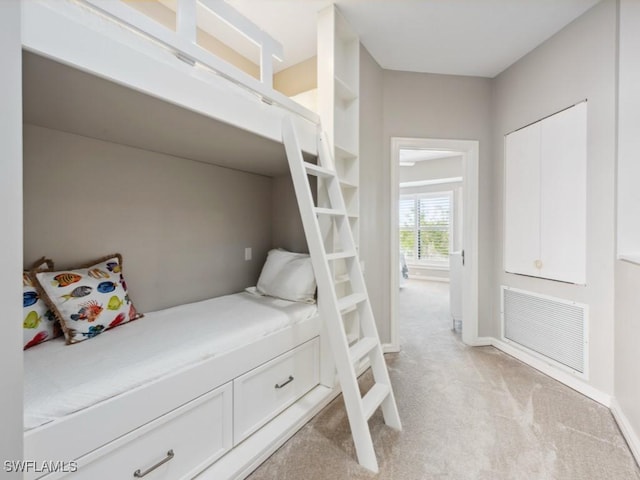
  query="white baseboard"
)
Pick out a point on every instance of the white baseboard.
point(631, 436)
point(554, 372)
point(390, 348)
point(481, 341)
point(429, 278)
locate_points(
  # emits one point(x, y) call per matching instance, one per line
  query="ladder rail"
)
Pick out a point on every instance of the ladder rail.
point(330, 306)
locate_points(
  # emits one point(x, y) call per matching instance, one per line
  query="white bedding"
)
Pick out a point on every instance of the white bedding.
point(61, 379)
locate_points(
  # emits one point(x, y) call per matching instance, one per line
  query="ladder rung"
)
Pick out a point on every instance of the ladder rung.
point(318, 171)
point(374, 398)
point(340, 255)
point(330, 211)
point(352, 300)
point(360, 349)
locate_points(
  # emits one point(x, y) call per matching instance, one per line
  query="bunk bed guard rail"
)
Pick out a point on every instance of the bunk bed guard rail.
point(183, 42)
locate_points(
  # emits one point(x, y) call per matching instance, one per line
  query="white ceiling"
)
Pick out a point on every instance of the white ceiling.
point(459, 37)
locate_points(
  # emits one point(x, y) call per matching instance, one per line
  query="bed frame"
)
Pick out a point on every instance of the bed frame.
point(199, 408)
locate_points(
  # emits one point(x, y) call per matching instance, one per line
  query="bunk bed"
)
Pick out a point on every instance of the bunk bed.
point(204, 415)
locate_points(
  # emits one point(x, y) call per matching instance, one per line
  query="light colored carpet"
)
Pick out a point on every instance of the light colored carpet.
point(468, 413)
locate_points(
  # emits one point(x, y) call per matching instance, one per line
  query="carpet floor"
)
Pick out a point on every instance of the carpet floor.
point(467, 413)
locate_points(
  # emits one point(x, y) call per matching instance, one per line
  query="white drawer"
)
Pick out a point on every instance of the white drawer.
point(197, 434)
point(262, 393)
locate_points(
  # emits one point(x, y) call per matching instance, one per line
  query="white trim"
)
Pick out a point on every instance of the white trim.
point(429, 278)
point(632, 438)
point(552, 370)
point(390, 348)
point(469, 149)
point(437, 181)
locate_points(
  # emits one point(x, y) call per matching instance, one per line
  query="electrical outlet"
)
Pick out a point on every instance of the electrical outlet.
point(247, 253)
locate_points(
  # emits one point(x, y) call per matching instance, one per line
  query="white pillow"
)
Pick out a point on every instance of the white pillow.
point(289, 276)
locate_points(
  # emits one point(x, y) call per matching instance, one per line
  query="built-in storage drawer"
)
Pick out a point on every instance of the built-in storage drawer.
point(175, 446)
point(262, 393)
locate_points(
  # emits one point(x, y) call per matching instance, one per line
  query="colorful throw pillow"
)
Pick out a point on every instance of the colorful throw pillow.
point(88, 300)
point(39, 324)
point(289, 276)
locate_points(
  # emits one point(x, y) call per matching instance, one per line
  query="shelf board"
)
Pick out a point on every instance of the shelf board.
point(344, 153)
point(343, 91)
point(347, 184)
point(631, 257)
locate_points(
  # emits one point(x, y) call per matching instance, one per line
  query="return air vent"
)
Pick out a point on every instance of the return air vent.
point(552, 327)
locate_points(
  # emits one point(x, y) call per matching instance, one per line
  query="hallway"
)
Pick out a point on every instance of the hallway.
point(468, 413)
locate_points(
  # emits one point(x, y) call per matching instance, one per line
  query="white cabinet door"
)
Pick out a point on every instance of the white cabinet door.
point(563, 195)
point(522, 201)
point(546, 197)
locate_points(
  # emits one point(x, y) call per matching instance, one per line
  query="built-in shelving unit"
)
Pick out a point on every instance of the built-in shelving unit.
point(339, 109)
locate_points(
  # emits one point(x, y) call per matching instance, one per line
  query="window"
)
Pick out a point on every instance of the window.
point(425, 228)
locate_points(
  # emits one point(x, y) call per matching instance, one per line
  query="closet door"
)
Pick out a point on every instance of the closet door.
point(522, 201)
point(563, 195)
point(546, 197)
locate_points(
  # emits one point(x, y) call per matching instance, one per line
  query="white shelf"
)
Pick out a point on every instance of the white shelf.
point(344, 153)
point(343, 91)
point(347, 184)
point(630, 257)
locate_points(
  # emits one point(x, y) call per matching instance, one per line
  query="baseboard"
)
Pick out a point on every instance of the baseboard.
point(481, 341)
point(390, 348)
point(554, 372)
point(627, 430)
point(429, 278)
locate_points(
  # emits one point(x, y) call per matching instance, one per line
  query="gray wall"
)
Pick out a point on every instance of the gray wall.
point(577, 63)
point(286, 225)
point(11, 239)
point(180, 225)
point(627, 300)
point(440, 107)
point(374, 212)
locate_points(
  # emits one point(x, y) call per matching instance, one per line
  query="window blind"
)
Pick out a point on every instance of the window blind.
point(425, 227)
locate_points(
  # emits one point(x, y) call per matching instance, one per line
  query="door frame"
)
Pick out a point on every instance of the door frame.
point(470, 194)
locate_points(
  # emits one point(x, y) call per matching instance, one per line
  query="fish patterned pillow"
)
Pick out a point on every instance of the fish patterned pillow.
point(39, 324)
point(88, 300)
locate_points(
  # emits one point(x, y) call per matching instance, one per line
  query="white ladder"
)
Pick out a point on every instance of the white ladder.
point(347, 357)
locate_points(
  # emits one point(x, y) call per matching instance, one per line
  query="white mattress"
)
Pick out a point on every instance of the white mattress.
point(61, 379)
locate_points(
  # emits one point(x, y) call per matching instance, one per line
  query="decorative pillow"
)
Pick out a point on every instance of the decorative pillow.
point(288, 276)
point(39, 323)
point(88, 300)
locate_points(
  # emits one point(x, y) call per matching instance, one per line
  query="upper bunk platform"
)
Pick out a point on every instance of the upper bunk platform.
point(123, 86)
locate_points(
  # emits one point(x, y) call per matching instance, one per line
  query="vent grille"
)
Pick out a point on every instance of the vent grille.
point(551, 327)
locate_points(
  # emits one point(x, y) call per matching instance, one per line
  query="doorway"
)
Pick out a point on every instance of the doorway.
point(429, 251)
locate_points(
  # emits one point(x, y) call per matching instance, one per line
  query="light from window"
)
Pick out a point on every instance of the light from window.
point(425, 228)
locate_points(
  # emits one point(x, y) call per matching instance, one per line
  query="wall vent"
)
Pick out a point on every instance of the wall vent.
point(549, 326)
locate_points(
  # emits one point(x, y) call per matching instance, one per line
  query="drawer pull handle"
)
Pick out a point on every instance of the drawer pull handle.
point(289, 380)
point(139, 474)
